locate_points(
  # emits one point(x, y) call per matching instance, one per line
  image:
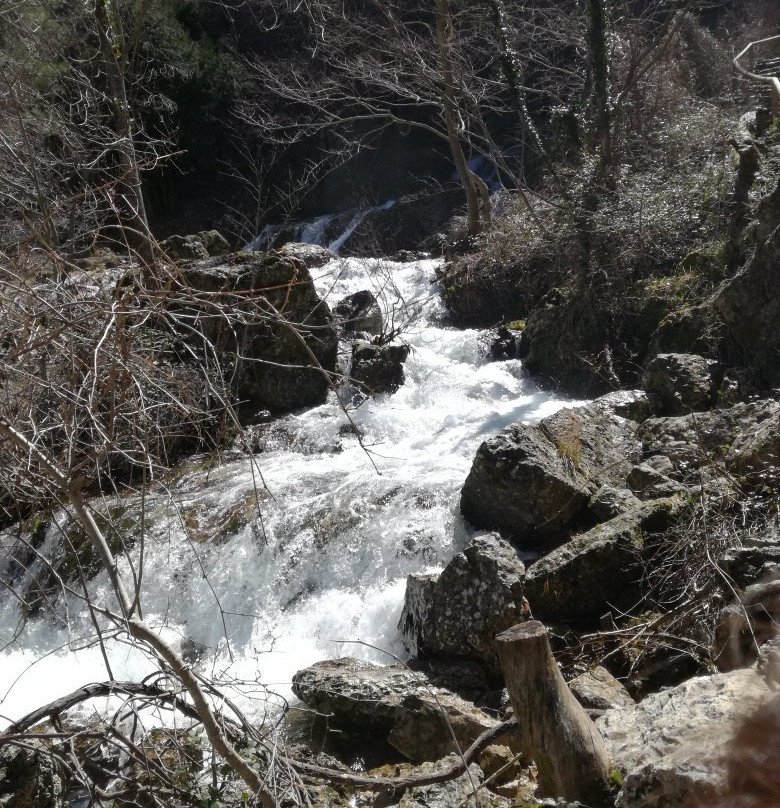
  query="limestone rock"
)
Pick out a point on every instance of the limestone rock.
point(391, 703)
point(677, 384)
point(598, 689)
point(378, 368)
point(670, 745)
point(533, 482)
point(30, 777)
point(608, 502)
point(215, 243)
point(184, 248)
point(359, 312)
point(276, 371)
point(309, 256)
point(597, 570)
point(458, 613)
point(746, 436)
point(650, 479)
point(444, 795)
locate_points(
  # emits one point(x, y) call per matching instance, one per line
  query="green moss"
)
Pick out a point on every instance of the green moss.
point(516, 325)
point(615, 778)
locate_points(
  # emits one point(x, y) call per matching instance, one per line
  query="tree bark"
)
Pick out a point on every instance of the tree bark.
point(132, 209)
point(555, 731)
point(444, 36)
point(599, 67)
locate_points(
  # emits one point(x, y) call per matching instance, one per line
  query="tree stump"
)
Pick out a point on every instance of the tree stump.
point(554, 729)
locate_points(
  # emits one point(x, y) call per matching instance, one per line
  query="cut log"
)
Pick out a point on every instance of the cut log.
point(554, 729)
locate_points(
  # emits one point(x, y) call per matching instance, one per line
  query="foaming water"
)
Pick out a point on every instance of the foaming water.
point(263, 564)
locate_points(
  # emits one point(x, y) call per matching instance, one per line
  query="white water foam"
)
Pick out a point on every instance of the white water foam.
point(323, 563)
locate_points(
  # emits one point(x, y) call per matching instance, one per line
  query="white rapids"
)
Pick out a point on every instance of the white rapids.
point(323, 562)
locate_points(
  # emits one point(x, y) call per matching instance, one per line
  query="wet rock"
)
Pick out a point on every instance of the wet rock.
point(378, 368)
point(670, 745)
point(597, 570)
point(309, 256)
point(631, 404)
point(458, 612)
point(533, 482)
point(184, 248)
point(285, 358)
point(598, 689)
point(215, 243)
point(359, 312)
point(505, 344)
point(677, 384)
point(30, 777)
point(391, 703)
point(746, 436)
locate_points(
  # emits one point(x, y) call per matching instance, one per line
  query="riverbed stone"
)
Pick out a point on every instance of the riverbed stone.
point(533, 482)
point(359, 312)
point(376, 368)
point(285, 338)
point(392, 703)
point(184, 248)
point(670, 746)
point(677, 383)
point(598, 689)
point(598, 570)
point(458, 612)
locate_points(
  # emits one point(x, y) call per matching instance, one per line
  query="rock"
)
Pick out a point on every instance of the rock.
point(744, 627)
point(359, 312)
point(500, 764)
point(392, 703)
point(309, 256)
point(598, 689)
point(631, 404)
point(215, 243)
point(608, 502)
point(30, 777)
point(424, 725)
point(677, 384)
point(756, 557)
point(378, 368)
point(598, 570)
point(650, 480)
point(670, 745)
point(746, 436)
point(505, 344)
point(277, 372)
point(444, 795)
point(533, 482)
point(184, 248)
point(458, 613)
point(749, 302)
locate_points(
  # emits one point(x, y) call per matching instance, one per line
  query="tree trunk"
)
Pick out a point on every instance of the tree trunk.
point(555, 731)
point(599, 67)
point(132, 211)
point(444, 36)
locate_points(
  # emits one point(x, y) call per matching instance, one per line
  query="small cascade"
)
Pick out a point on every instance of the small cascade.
point(264, 563)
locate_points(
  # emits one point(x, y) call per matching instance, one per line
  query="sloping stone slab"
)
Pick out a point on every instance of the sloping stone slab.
point(597, 570)
point(670, 746)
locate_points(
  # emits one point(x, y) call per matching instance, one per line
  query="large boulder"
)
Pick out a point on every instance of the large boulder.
point(359, 312)
point(746, 437)
point(458, 613)
point(377, 368)
point(535, 482)
point(184, 248)
point(677, 384)
point(282, 343)
point(749, 302)
point(30, 777)
point(391, 703)
point(670, 746)
point(598, 570)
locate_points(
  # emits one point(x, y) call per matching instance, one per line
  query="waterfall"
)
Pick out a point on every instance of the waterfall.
point(266, 563)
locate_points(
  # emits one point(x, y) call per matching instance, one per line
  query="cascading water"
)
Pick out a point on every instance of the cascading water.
point(264, 563)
